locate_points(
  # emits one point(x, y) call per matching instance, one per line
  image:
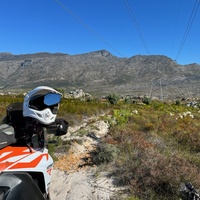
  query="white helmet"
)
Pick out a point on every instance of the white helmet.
point(42, 104)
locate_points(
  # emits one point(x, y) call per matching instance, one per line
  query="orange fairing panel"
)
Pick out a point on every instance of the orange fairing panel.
point(16, 158)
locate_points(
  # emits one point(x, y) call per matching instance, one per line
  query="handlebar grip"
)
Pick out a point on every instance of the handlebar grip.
point(60, 126)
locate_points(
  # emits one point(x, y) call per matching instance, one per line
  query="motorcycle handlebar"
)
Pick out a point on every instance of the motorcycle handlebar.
point(60, 126)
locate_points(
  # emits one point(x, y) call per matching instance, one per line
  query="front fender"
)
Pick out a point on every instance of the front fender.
point(20, 186)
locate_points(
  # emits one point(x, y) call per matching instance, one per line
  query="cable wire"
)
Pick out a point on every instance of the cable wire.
point(86, 26)
point(136, 26)
point(176, 25)
point(119, 24)
point(189, 25)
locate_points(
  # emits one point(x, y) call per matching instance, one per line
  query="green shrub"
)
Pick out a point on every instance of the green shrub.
point(128, 100)
point(146, 100)
point(113, 99)
point(104, 153)
point(54, 144)
point(121, 116)
point(198, 103)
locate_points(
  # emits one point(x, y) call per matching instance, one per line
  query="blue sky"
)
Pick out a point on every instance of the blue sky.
point(123, 27)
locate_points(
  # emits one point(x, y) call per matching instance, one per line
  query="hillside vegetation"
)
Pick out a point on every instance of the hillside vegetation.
point(151, 148)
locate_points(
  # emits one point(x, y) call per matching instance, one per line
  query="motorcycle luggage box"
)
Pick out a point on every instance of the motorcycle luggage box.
point(7, 135)
point(15, 115)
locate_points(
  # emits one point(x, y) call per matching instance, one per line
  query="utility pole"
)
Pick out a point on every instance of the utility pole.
point(150, 93)
point(161, 93)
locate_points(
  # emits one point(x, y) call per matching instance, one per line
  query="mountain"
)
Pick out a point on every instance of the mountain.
point(100, 73)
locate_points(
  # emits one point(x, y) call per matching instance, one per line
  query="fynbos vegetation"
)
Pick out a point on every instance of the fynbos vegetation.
point(151, 148)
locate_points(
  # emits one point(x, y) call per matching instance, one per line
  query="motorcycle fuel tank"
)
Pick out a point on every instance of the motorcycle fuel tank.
point(26, 159)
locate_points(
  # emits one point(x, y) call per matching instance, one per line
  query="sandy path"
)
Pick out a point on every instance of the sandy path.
point(70, 182)
point(81, 185)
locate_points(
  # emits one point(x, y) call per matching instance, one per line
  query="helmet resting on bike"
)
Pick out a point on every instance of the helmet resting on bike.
point(42, 104)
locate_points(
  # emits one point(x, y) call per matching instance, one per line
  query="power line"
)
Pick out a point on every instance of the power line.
point(119, 24)
point(190, 22)
point(176, 25)
point(136, 26)
point(86, 26)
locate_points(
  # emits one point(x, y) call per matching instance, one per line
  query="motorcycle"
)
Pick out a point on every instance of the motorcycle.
point(25, 164)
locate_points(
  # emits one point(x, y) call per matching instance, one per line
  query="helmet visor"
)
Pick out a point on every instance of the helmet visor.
point(52, 99)
point(40, 102)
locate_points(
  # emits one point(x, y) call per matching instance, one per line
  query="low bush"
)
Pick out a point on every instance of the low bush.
point(152, 175)
point(113, 99)
point(104, 153)
point(158, 151)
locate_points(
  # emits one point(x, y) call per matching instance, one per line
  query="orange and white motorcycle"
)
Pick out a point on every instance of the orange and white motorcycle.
point(25, 165)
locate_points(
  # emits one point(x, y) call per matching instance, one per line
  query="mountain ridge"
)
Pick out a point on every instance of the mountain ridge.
point(100, 72)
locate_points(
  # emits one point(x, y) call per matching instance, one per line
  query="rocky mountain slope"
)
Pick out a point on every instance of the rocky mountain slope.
point(100, 73)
